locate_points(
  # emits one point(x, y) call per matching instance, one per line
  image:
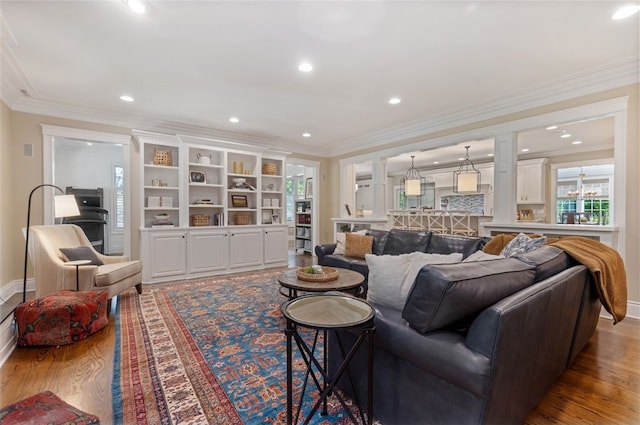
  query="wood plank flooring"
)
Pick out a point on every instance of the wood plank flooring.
point(601, 387)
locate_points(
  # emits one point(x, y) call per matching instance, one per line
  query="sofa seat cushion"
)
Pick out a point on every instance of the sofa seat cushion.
point(109, 274)
point(446, 244)
point(406, 241)
point(333, 260)
point(548, 260)
point(61, 318)
point(446, 294)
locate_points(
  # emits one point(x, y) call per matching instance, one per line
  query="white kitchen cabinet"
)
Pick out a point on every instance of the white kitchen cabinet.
point(164, 255)
point(208, 251)
point(531, 181)
point(245, 247)
point(275, 244)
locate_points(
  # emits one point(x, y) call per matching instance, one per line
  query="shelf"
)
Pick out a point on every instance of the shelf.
point(271, 192)
point(197, 164)
point(161, 208)
point(243, 191)
point(243, 209)
point(161, 188)
point(205, 206)
point(304, 213)
point(303, 238)
point(162, 167)
point(206, 185)
point(303, 225)
point(271, 208)
point(248, 176)
point(271, 176)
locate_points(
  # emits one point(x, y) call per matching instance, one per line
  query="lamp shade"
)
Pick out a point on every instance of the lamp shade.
point(468, 182)
point(466, 179)
point(65, 206)
point(412, 187)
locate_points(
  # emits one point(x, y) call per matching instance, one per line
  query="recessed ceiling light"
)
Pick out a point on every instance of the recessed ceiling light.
point(626, 11)
point(234, 120)
point(576, 142)
point(305, 67)
point(489, 154)
point(460, 159)
point(394, 100)
point(136, 6)
point(436, 162)
point(89, 143)
point(306, 134)
point(565, 135)
point(126, 98)
point(524, 150)
point(551, 127)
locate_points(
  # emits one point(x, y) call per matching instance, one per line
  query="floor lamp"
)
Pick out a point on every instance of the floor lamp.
point(64, 206)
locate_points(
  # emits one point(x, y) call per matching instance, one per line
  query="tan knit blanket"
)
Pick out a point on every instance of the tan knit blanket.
point(604, 263)
point(606, 267)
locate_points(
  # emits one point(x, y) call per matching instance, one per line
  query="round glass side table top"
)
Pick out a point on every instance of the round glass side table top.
point(328, 311)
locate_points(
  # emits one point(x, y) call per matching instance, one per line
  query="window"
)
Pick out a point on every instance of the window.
point(586, 191)
point(294, 191)
point(118, 191)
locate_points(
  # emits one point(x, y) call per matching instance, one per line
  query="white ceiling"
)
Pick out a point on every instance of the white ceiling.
point(190, 65)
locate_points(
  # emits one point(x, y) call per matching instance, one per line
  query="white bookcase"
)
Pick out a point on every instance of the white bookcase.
point(223, 206)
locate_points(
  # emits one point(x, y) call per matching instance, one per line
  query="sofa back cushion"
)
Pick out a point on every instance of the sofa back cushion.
point(547, 260)
point(379, 240)
point(446, 244)
point(406, 241)
point(443, 295)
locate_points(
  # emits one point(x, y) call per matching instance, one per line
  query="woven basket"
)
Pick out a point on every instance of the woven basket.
point(162, 157)
point(200, 219)
point(328, 274)
point(269, 168)
point(242, 218)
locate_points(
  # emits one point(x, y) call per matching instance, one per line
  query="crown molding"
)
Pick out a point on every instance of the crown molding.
point(606, 77)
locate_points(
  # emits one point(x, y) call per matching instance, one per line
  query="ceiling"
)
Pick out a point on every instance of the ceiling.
point(191, 65)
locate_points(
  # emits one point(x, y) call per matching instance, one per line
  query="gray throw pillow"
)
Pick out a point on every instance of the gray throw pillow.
point(81, 253)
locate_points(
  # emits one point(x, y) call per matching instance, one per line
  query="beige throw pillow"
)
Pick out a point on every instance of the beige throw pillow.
point(357, 246)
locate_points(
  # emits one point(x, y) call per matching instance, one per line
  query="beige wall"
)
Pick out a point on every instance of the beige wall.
point(331, 192)
point(25, 175)
point(6, 199)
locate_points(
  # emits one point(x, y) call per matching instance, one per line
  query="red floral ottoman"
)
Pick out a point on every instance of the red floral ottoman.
point(61, 318)
point(45, 409)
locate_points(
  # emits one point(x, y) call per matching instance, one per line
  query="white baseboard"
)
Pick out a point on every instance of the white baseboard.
point(15, 287)
point(633, 311)
point(7, 339)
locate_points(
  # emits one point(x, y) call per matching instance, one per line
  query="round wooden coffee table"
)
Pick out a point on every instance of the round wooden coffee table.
point(347, 279)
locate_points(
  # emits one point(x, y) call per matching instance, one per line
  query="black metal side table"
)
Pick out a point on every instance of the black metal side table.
point(327, 312)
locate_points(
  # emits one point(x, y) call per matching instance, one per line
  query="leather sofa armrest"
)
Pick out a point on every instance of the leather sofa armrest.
point(324, 249)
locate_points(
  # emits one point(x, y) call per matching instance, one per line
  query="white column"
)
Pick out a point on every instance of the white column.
point(379, 180)
point(347, 189)
point(505, 175)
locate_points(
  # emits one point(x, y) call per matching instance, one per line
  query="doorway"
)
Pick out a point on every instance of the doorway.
point(97, 166)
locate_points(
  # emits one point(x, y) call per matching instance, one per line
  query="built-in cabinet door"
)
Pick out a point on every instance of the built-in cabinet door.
point(208, 251)
point(530, 185)
point(168, 254)
point(275, 245)
point(245, 247)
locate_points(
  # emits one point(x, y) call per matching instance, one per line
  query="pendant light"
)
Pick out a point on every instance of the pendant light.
point(466, 179)
point(412, 181)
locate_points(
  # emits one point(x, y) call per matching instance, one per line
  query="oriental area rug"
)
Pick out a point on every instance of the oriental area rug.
point(209, 351)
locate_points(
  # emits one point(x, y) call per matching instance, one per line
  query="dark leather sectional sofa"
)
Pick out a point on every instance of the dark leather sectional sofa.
point(477, 342)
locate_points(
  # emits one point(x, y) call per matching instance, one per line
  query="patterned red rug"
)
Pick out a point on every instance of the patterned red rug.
point(206, 351)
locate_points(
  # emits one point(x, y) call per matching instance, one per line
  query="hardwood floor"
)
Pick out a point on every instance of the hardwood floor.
point(601, 387)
